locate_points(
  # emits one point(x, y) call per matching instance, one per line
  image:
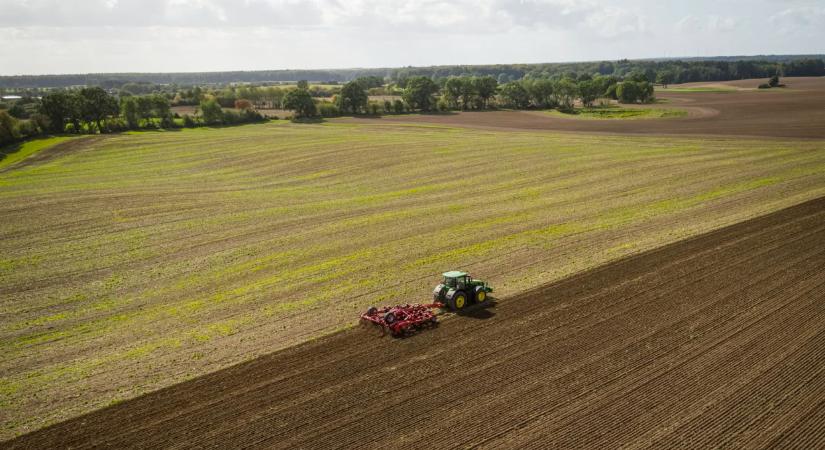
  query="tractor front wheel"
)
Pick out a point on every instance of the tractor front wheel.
point(481, 297)
point(458, 301)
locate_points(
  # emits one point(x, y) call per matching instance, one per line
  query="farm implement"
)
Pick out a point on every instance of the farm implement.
point(456, 291)
point(401, 320)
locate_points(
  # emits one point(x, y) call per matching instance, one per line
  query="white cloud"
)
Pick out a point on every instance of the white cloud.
point(190, 35)
point(798, 19)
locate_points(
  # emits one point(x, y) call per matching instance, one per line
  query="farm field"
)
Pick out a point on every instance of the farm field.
point(742, 110)
point(133, 262)
point(714, 341)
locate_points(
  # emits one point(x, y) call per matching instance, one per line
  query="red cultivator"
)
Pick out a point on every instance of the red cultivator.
point(401, 320)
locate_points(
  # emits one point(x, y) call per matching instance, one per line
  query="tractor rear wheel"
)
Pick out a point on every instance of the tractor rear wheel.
point(458, 301)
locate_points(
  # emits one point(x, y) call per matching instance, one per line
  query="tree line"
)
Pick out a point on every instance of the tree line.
point(93, 110)
point(422, 93)
point(684, 70)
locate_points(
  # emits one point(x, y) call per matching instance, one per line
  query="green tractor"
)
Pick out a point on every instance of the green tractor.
point(459, 289)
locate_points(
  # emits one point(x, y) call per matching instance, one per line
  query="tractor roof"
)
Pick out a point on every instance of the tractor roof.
point(454, 274)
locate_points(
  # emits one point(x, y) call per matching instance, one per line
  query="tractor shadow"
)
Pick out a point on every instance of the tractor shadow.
point(480, 312)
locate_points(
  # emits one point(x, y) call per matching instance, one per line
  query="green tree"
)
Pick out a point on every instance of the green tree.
point(645, 92)
point(565, 92)
point(145, 108)
point(452, 91)
point(589, 91)
point(300, 101)
point(486, 88)
point(541, 92)
point(774, 81)
point(353, 98)
point(514, 94)
point(211, 112)
point(97, 105)
point(129, 111)
point(398, 106)
point(628, 92)
point(9, 128)
point(58, 107)
point(303, 84)
point(665, 77)
point(419, 93)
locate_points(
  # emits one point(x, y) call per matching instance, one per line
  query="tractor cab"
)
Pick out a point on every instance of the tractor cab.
point(454, 279)
point(459, 289)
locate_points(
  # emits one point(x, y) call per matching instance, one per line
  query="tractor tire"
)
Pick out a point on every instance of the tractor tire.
point(458, 301)
point(481, 296)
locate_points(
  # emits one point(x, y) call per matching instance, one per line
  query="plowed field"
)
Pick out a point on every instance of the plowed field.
point(738, 110)
point(713, 341)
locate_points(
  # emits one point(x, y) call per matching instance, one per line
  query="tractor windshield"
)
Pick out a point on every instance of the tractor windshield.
point(449, 282)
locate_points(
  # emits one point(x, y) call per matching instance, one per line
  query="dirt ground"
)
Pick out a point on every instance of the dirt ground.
point(797, 111)
point(715, 341)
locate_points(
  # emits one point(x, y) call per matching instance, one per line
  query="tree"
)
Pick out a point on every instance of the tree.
point(160, 106)
point(371, 81)
point(774, 81)
point(486, 88)
point(129, 111)
point(145, 107)
point(468, 91)
point(514, 94)
point(398, 106)
point(211, 111)
point(243, 104)
point(665, 77)
point(9, 131)
point(353, 98)
point(626, 92)
point(97, 105)
point(300, 101)
point(57, 106)
point(630, 91)
point(541, 92)
point(565, 91)
point(645, 92)
point(419, 93)
point(452, 91)
point(303, 84)
point(589, 91)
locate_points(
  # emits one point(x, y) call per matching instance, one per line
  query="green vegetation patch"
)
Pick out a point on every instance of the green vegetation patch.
point(699, 89)
point(615, 112)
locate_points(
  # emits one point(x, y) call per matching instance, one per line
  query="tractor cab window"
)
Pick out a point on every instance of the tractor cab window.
point(461, 280)
point(449, 282)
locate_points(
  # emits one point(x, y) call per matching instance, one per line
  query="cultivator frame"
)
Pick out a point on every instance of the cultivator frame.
point(401, 320)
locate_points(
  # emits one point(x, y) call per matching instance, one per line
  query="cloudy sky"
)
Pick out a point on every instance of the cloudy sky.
point(74, 36)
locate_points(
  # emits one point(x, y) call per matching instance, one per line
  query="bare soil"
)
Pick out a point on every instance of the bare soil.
point(715, 341)
point(796, 111)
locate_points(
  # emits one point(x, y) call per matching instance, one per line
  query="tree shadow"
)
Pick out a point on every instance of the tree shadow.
point(309, 120)
point(10, 150)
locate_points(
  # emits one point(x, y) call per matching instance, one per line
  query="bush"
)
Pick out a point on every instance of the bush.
point(374, 108)
point(328, 109)
point(764, 86)
point(188, 121)
point(387, 106)
point(398, 106)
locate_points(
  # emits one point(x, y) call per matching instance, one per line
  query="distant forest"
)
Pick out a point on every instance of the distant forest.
point(681, 70)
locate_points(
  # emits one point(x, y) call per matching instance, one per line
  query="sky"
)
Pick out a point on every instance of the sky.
point(91, 36)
